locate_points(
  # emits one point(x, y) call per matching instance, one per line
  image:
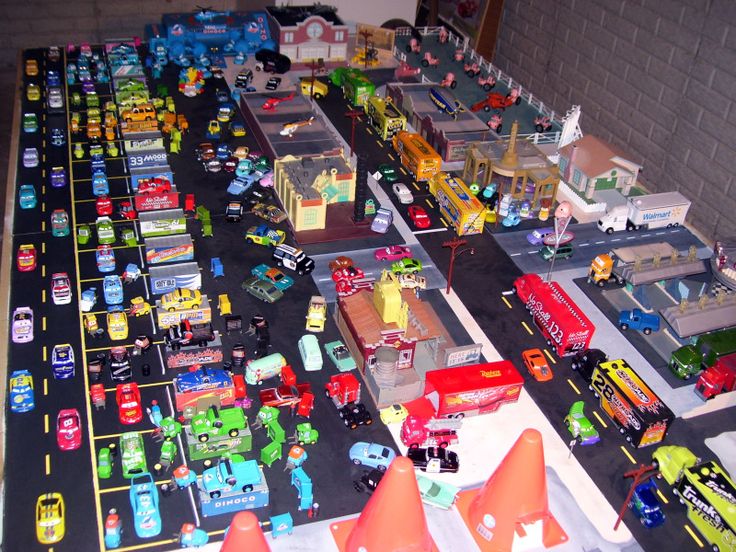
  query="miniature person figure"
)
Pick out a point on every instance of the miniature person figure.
point(154, 414)
point(443, 36)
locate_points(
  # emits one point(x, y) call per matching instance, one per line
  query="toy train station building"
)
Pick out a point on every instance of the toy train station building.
point(309, 33)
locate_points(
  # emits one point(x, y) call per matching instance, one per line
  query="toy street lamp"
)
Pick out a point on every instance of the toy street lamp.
point(354, 114)
point(563, 214)
point(366, 34)
point(453, 244)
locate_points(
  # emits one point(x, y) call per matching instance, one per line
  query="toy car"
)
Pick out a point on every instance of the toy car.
point(62, 361)
point(273, 83)
point(30, 158)
point(103, 206)
point(436, 493)
point(242, 80)
point(230, 474)
point(372, 455)
point(21, 396)
point(355, 414)
point(406, 266)
point(27, 196)
point(225, 112)
point(271, 213)
point(261, 289)
point(68, 429)
point(310, 352)
point(22, 325)
point(55, 98)
point(128, 398)
point(564, 251)
point(105, 257)
point(214, 130)
point(30, 122)
point(392, 253)
point(57, 138)
point(59, 223)
point(33, 92)
point(105, 231)
point(273, 275)
point(638, 320)
point(117, 325)
point(57, 177)
point(263, 235)
point(537, 364)
point(394, 414)
point(419, 216)
point(338, 263)
point(412, 281)
point(368, 481)
point(26, 258)
point(434, 459)
point(104, 463)
point(144, 501)
point(316, 314)
point(205, 151)
point(61, 293)
point(133, 454)
point(283, 395)
point(403, 193)
point(31, 67)
point(340, 356)
point(50, 520)
point(237, 129)
point(181, 299)
point(100, 185)
point(234, 211)
point(536, 237)
point(156, 185)
point(579, 426)
point(513, 218)
point(645, 505)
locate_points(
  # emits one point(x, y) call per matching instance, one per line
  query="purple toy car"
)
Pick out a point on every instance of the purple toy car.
point(58, 177)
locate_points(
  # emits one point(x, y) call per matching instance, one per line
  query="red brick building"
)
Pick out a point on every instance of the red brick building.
point(307, 33)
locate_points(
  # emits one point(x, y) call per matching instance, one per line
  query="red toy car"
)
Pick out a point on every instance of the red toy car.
point(156, 185)
point(419, 216)
point(348, 273)
point(103, 206)
point(26, 259)
point(392, 253)
point(126, 210)
point(69, 429)
point(496, 100)
point(128, 398)
point(283, 395)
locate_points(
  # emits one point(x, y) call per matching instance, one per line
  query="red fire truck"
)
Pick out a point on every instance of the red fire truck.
point(417, 431)
point(560, 320)
point(473, 389)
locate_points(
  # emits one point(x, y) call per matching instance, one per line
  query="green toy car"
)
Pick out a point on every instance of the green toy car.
point(83, 234)
point(339, 354)
point(218, 422)
point(105, 231)
point(671, 460)
point(133, 454)
point(306, 435)
point(388, 173)
point(406, 266)
point(579, 426)
point(436, 493)
point(104, 463)
point(170, 428)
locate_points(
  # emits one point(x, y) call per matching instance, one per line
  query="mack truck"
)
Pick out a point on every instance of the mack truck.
point(562, 323)
point(646, 211)
point(344, 392)
point(417, 431)
point(231, 474)
point(217, 422)
point(705, 489)
point(689, 360)
point(719, 378)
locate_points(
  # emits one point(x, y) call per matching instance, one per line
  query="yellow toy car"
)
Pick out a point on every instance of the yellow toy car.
point(181, 299)
point(117, 325)
point(33, 93)
point(139, 307)
point(394, 414)
point(319, 89)
point(50, 510)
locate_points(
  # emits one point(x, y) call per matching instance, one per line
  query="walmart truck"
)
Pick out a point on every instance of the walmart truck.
point(647, 211)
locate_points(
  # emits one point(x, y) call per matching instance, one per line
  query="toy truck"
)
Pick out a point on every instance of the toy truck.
point(473, 389)
point(719, 378)
point(316, 314)
point(232, 473)
point(648, 211)
point(705, 489)
point(216, 422)
point(688, 360)
point(422, 432)
point(560, 320)
point(344, 391)
point(638, 413)
point(636, 319)
point(200, 385)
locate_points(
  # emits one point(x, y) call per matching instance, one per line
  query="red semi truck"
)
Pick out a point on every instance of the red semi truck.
point(473, 389)
point(719, 378)
point(560, 320)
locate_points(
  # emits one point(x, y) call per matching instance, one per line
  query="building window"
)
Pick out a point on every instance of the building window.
point(576, 177)
point(310, 217)
point(563, 164)
point(339, 36)
point(288, 37)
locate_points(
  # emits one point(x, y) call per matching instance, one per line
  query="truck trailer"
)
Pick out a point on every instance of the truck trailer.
point(473, 389)
point(560, 320)
point(646, 211)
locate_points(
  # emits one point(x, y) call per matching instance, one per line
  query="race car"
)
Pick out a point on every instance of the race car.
point(62, 361)
point(133, 454)
point(26, 258)
point(21, 397)
point(68, 429)
point(103, 206)
point(157, 185)
point(263, 235)
point(50, 525)
point(271, 213)
point(61, 291)
point(283, 395)
point(105, 257)
point(117, 325)
point(128, 398)
point(392, 253)
point(419, 216)
point(144, 501)
point(22, 325)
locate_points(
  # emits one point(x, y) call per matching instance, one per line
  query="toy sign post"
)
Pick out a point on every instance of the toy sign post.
point(563, 215)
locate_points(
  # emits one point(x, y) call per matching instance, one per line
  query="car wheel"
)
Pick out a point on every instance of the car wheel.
point(248, 240)
point(609, 231)
point(382, 468)
point(356, 461)
point(203, 438)
point(247, 488)
point(318, 96)
point(215, 494)
point(647, 331)
point(369, 421)
point(233, 433)
point(624, 327)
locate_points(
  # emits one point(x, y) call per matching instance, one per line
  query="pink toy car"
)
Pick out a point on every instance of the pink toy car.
point(405, 70)
point(471, 69)
point(487, 83)
point(429, 59)
point(542, 123)
point(495, 123)
point(392, 253)
point(449, 80)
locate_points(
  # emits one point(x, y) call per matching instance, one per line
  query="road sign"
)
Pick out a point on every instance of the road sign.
point(566, 237)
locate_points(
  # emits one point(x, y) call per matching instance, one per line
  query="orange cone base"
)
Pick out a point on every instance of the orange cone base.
point(342, 529)
point(245, 534)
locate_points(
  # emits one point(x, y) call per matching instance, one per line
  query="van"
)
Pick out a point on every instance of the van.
point(143, 112)
point(257, 370)
point(272, 62)
point(318, 89)
point(293, 258)
point(563, 252)
point(310, 352)
point(382, 221)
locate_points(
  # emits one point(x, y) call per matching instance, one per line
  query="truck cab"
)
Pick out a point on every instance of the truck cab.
point(638, 320)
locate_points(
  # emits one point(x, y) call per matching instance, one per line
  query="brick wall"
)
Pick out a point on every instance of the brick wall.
point(657, 77)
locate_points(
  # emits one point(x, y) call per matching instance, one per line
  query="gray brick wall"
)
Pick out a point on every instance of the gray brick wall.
point(656, 77)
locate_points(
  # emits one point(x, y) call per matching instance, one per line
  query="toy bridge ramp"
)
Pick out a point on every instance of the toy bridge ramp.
point(700, 317)
point(648, 272)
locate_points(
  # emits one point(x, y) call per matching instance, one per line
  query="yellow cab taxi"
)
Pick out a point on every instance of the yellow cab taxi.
point(181, 299)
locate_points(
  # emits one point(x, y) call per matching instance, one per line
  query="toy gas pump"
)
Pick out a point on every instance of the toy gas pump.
point(113, 529)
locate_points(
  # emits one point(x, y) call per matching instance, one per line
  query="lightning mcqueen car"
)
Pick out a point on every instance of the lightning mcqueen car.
point(283, 395)
point(26, 258)
point(155, 185)
point(128, 398)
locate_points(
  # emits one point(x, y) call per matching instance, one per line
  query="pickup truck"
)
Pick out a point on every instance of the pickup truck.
point(231, 474)
point(217, 422)
point(638, 320)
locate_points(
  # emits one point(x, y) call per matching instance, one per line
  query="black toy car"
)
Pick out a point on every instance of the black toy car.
point(355, 414)
point(434, 459)
point(586, 362)
point(273, 83)
point(234, 211)
point(369, 481)
point(120, 368)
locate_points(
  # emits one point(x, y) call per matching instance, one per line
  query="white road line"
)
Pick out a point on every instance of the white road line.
point(431, 230)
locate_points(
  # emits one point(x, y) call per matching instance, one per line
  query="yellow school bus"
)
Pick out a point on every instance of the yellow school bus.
point(417, 156)
point(457, 204)
point(384, 117)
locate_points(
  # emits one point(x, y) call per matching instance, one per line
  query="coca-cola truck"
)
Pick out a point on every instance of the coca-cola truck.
point(417, 431)
point(560, 320)
point(719, 378)
point(473, 389)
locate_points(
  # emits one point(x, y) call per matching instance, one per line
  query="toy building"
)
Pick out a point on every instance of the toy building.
point(307, 33)
point(393, 337)
point(518, 167)
point(307, 186)
point(450, 136)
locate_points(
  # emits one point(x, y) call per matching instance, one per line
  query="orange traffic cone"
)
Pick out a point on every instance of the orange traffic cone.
point(245, 534)
point(515, 494)
point(393, 519)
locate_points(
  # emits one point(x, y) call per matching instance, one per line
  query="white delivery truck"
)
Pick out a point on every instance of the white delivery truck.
point(649, 211)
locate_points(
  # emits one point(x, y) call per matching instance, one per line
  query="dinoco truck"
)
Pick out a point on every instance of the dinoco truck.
point(639, 414)
point(473, 389)
point(217, 422)
point(707, 492)
point(719, 378)
point(560, 320)
point(688, 360)
point(422, 432)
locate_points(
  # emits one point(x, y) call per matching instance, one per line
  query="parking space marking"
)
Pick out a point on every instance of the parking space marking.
point(626, 453)
point(117, 435)
point(141, 385)
point(527, 328)
point(574, 387)
point(600, 420)
point(146, 545)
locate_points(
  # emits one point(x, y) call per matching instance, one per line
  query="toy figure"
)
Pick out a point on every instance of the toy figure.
point(449, 80)
point(443, 35)
point(183, 477)
point(414, 46)
point(495, 123)
point(154, 413)
point(542, 123)
point(429, 59)
point(471, 69)
point(113, 529)
point(460, 55)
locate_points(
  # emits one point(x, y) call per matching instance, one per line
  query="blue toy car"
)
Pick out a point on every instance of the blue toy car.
point(100, 185)
point(27, 196)
point(112, 289)
point(202, 379)
point(241, 184)
point(234, 474)
point(372, 455)
point(638, 320)
point(62, 361)
point(244, 168)
point(57, 176)
point(98, 163)
point(645, 505)
point(58, 138)
point(105, 257)
point(512, 219)
point(144, 501)
point(21, 391)
point(53, 78)
point(223, 152)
